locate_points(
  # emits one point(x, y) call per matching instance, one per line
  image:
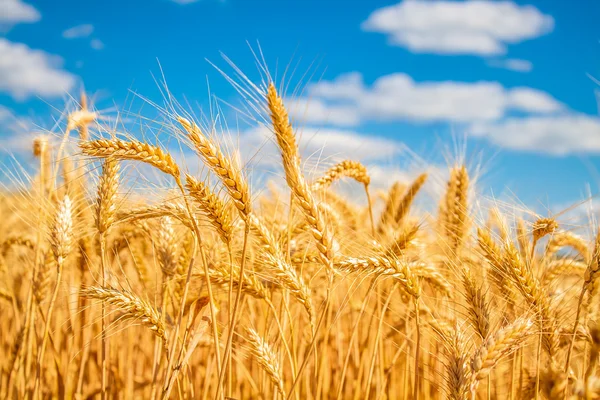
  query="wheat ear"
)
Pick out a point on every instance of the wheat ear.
point(565, 238)
point(346, 168)
point(388, 215)
point(503, 342)
point(213, 158)
point(212, 206)
point(266, 358)
point(453, 210)
point(294, 177)
point(408, 198)
point(106, 206)
point(133, 307)
point(478, 306)
point(132, 150)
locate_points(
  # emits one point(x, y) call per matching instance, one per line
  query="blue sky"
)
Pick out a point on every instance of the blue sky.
point(513, 79)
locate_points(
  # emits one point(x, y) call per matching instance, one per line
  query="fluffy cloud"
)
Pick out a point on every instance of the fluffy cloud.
point(451, 27)
point(512, 64)
point(26, 72)
point(348, 101)
point(78, 31)
point(15, 11)
point(520, 118)
point(97, 44)
point(557, 134)
point(318, 145)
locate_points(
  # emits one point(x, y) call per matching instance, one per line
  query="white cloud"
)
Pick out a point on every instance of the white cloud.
point(558, 134)
point(451, 27)
point(513, 64)
point(317, 145)
point(96, 44)
point(26, 72)
point(78, 31)
point(15, 11)
point(348, 101)
point(315, 110)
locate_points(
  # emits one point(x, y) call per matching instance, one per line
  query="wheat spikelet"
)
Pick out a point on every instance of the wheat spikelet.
point(408, 198)
point(430, 274)
point(478, 307)
point(171, 209)
point(166, 246)
point(402, 242)
point(61, 233)
point(212, 206)
point(40, 146)
point(533, 293)
point(542, 227)
point(493, 254)
point(351, 169)
point(132, 150)
point(591, 273)
point(384, 267)
point(565, 238)
point(522, 238)
point(41, 285)
point(388, 216)
point(288, 278)
point(294, 177)
point(503, 342)
point(266, 358)
point(264, 234)
point(183, 261)
point(107, 192)
point(221, 275)
point(453, 210)
point(215, 160)
point(16, 241)
point(562, 267)
point(133, 307)
point(457, 368)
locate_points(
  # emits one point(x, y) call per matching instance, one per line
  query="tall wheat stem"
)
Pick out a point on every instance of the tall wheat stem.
point(213, 314)
point(235, 307)
point(105, 349)
point(417, 350)
point(41, 354)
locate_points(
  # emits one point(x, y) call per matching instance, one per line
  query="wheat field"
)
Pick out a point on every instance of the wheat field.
point(218, 290)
